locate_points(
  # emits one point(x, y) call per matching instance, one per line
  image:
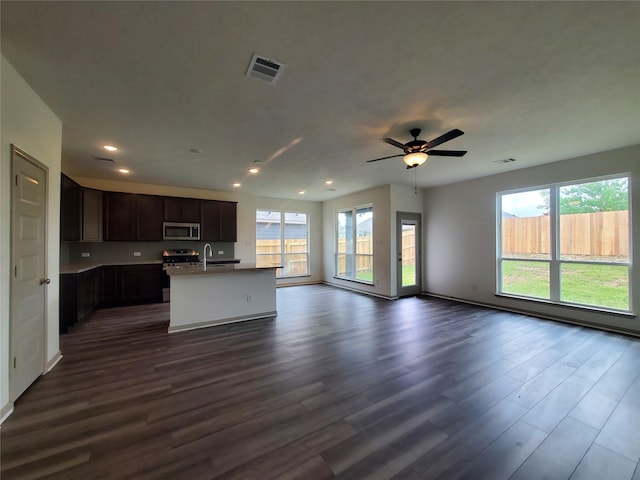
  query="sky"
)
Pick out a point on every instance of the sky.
point(523, 204)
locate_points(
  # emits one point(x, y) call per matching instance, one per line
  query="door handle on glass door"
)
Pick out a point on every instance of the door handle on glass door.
point(45, 281)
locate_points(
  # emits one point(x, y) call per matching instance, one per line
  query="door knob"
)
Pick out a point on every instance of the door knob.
point(45, 280)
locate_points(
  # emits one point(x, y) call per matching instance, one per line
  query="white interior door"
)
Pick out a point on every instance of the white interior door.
point(408, 244)
point(28, 276)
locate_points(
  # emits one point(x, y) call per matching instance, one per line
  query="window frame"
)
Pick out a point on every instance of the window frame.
point(282, 253)
point(354, 255)
point(555, 260)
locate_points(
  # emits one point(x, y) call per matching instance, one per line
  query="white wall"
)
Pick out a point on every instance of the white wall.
point(380, 198)
point(30, 125)
point(460, 233)
point(387, 200)
point(245, 247)
point(403, 199)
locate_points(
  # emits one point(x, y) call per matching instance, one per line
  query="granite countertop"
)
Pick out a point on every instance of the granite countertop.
point(83, 267)
point(214, 268)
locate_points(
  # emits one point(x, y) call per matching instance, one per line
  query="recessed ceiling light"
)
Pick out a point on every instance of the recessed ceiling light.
point(254, 170)
point(328, 182)
point(236, 185)
point(111, 148)
point(302, 192)
point(124, 170)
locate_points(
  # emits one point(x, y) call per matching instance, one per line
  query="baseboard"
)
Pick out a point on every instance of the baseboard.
point(357, 290)
point(294, 284)
point(215, 323)
point(553, 318)
point(53, 362)
point(6, 411)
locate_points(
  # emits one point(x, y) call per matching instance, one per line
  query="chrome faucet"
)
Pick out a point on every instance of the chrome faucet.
point(204, 254)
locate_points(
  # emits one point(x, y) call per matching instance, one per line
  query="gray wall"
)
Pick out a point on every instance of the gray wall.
point(460, 234)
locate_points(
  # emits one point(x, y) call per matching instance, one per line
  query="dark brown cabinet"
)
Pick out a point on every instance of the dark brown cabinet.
point(119, 216)
point(91, 215)
point(109, 296)
point(70, 209)
point(178, 209)
point(80, 295)
point(131, 217)
point(149, 217)
point(139, 284)
point(109, 286)
point(219, 221)
point(228, 221)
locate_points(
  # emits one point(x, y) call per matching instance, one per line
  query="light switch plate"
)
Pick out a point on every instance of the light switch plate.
point(86, 254)
point(220, 252)
point(136, 254)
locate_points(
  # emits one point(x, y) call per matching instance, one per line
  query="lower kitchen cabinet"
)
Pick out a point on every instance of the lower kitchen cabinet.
point(108, 286)
point(80, 295)
point(140, 284)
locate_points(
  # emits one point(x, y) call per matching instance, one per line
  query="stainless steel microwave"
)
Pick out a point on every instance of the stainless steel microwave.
point(180, 231)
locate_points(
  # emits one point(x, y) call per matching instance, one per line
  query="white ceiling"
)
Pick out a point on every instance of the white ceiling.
point(536, 81)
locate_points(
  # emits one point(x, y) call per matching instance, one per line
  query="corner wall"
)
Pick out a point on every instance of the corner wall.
point(380, 198)
point(28, 123)
point(460, 234)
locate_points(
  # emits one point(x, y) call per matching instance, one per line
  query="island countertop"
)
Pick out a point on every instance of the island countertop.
point(214, 268)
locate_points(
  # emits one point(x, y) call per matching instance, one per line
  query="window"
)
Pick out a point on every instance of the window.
point(567, 243)
point(354, 244)
point(283, 243)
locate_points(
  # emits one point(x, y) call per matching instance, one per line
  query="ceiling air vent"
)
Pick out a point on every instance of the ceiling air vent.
point(505, 160)
point(104, 159)
point(265, 69)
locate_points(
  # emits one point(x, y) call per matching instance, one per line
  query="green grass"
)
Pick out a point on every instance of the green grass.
point(408, 275)
point(596, 285)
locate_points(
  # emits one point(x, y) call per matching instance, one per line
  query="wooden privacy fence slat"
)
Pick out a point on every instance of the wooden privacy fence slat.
point(600, 234)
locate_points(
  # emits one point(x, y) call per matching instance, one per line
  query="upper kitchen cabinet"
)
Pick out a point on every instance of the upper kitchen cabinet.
point(119, 216)
point(178, 209)
point(91, 215)
point(149, 217)
point(219, 222)
point(129, 217)
point(70, 206)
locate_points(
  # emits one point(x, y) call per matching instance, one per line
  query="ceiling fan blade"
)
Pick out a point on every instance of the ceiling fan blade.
point(445, 138)
point(393, 142)
point(409, 167)
point(384, 158)
point(447, 153)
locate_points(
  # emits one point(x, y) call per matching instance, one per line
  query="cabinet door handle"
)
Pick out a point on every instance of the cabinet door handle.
point(45, 281)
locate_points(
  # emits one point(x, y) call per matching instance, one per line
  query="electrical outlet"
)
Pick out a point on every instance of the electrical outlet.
point(249, 298)
point(136, 254)
point(220, 252)
point(86, 254)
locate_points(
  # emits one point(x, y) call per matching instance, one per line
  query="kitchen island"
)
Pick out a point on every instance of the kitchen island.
point(220, 294)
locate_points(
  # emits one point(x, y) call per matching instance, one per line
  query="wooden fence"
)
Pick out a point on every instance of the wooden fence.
point(268, 253)
point(599, 234)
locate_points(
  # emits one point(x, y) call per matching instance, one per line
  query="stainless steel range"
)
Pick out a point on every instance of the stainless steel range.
point(175, 258)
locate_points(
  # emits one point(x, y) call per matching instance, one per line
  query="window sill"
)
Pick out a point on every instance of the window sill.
point(573, 306)
point(362, 282)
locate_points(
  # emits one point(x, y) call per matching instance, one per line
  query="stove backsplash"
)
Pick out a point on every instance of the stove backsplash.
point(124, 251)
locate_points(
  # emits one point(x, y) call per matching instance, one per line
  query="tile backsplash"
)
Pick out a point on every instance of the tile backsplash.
point(92, 252)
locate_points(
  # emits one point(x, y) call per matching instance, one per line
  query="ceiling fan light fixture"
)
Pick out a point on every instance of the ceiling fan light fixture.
point(415, 159)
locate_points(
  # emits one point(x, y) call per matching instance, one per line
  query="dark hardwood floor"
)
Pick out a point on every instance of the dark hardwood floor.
point(338, 385)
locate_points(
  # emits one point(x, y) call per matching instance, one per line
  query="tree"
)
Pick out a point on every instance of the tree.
point(601, 196)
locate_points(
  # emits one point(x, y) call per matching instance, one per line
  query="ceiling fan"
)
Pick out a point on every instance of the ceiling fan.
point(417, 151)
